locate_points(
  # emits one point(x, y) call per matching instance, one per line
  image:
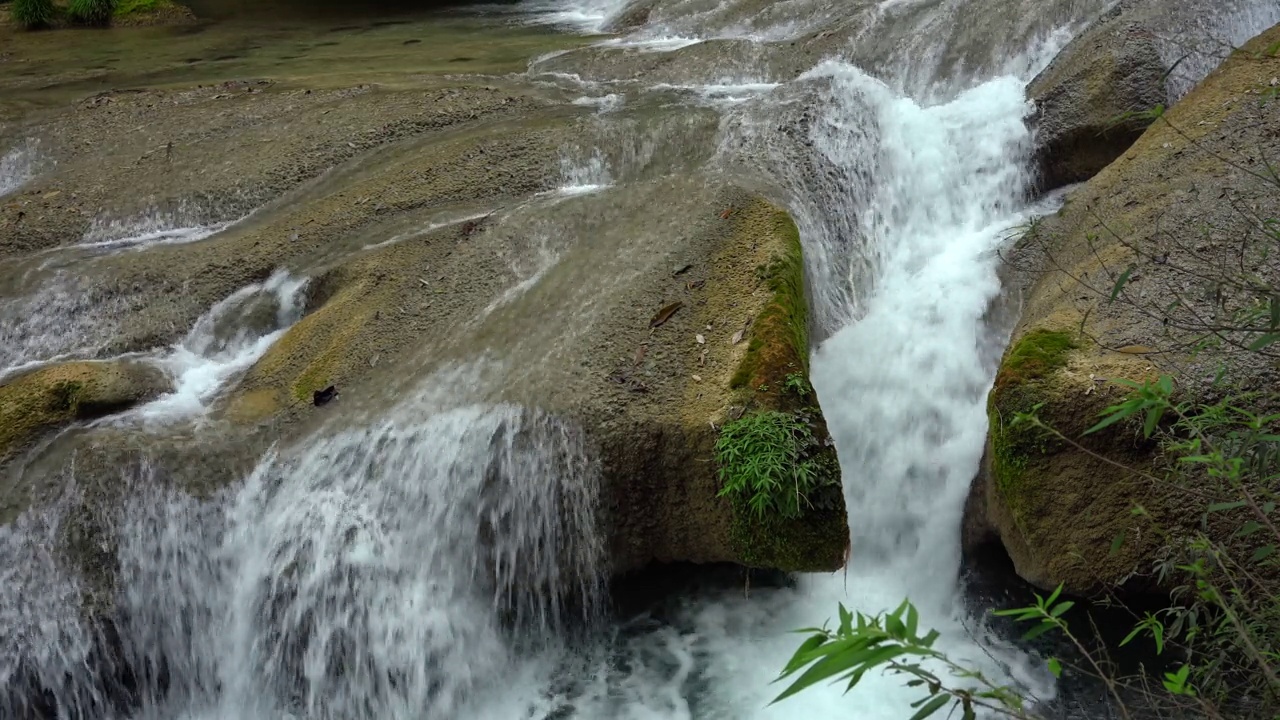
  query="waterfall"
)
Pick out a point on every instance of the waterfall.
point(383, 572)
point(442, 556)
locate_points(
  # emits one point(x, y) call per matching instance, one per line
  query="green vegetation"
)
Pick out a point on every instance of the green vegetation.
point(131, 7)
point(767, 458)
point(33, 14)
point(1021, 385)
point(797, 384)
point(1034, 356)
point(780, 335)
point(1216, 639)
point(64, 396)
point(91, 12)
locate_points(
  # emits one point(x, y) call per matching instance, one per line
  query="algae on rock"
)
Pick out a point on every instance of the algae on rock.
point(803, 527)
point(1114, 284)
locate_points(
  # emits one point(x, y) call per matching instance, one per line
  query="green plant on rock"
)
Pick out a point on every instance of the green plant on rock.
point(765, 459)
point(798, 384)
point(91, 12)
point(32, 14)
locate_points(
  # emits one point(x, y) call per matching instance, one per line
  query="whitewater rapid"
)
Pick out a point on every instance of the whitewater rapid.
point(443, 559)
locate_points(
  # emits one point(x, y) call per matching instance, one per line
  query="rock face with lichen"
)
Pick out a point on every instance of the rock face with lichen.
point(1116, 289)
point(56, 396)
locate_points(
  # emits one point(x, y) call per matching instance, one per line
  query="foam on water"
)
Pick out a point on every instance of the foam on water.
point(18, 165)
point(386, 572)
point(224, 342)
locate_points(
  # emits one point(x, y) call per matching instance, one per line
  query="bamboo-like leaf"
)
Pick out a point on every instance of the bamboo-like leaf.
point(1263, 553)
point(1222, 507)
point(931, 707)
point(1248, 529)
point(1117, 543)
point(1120, 283)
point(1055, 667)
point(1038, 630)
point(1264, 341)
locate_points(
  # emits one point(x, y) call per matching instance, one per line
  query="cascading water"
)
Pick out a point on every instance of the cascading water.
point(225, 341)
point(376, 573)
point(18, 165)
point(441, 559)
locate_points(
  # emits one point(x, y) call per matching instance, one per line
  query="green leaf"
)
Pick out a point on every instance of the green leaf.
point(1039, 630)
point(801, 656)
point(1248, 529)
point(1117, 543)
point(1061, 608)
point(1264, 341)
point(1118, 413)
point(932, 707)
point(1055, 667)
point(1220, 507)
point(1263, 553)
point(1124, 279)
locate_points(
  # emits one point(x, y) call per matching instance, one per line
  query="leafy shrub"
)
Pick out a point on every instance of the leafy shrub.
point(91, 12)
point(765, 458)
point(32, 14)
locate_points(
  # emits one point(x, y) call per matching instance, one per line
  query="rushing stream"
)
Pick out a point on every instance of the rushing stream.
point(443, 561)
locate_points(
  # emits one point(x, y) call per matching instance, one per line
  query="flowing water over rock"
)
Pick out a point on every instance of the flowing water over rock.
point(439, 556)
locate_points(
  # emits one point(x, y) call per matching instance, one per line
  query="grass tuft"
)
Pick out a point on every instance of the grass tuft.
point(32, 14)
point(91, 12)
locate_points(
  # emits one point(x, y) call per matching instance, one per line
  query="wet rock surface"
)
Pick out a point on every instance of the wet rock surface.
point(1166, 214)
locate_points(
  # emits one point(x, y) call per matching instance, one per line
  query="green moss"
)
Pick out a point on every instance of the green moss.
point(64, 396)
point(125, 8)
point(1034, 356)
point(779, 343)
point(1023, 382)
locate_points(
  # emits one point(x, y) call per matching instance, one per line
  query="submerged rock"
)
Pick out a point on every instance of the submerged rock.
point(1180, 208)
point(1095, 98)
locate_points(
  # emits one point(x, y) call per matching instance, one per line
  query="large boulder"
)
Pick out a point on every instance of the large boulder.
point(1094, 99)
point(1173, 216)
point(651, 341)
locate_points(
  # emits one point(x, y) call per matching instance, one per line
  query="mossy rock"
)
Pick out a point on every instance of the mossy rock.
point(772, 377)
point(58, 395)
point(1059, 505)
point(1065, 510)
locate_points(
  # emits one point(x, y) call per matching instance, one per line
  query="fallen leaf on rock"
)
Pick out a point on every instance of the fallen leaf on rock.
point(1136, 350)
point(727, 212)
point(695, 284)
point(697, 378)
point(665, 314)
point(321, 397)
point(702, 360)
point(640, 353)
point(702, 339)
point(737, 337)
point(682, 269)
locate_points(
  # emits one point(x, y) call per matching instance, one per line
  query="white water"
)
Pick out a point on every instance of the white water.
point(18, 165)
point(225, 342)
point(401, 570)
